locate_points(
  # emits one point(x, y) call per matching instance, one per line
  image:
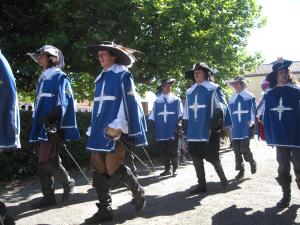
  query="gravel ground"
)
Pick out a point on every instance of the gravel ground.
point(248, 201)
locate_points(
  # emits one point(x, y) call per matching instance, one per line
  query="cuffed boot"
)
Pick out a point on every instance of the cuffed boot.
point(102, 184)
point(219, 169)
point(167, 166)
point(285, 183)
point(47, 188)
point(136, 189)
point(240, 174)
point(60, 173)
point(174, 165)
point(200, 172)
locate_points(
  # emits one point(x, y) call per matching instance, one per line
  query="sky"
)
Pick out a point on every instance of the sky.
point(280, 37)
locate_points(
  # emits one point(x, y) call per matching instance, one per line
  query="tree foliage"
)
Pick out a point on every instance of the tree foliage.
point(171, 36)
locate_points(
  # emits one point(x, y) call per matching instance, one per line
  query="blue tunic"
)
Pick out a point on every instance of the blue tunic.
point(113, 89)
point(201, 101)
point(281, 116)
point(242, 109)
point(166, 115)
point(54, 89)
point(9, 109)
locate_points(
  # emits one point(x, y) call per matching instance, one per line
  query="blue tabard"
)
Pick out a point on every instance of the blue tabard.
point(50, 93)
point(166, 117)
point(9, 109)
point(111, 88)
point(281, 116)
point(201, 103)
point(242, 110)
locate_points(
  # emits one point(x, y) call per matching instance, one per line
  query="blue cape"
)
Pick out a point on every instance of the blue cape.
point(242, 110)
point(51, 92)
point(9, 109)
point(201, 101)
point(166, 115)
point(282, 116)
point(111, 87)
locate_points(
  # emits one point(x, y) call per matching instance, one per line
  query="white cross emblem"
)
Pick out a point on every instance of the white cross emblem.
point(41, 95)
point(280, 108)
point(103, 98)
point(239, 112)
point(165, 113)
point(196, 106)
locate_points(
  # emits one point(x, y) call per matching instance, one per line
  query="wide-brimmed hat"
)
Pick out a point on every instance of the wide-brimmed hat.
point(124, 55)
point(51, 51)
point(167, 81)
point(203, 66)
point(285, 64)
point(237, 80)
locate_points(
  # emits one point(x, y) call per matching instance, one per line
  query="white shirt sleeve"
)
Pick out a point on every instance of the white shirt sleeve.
point(180, 113)
point(151, 116)
point(185, 110)
point(120, 122)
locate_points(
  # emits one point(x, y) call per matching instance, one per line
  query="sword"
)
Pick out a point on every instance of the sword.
point(53, 130)
point(123, 142)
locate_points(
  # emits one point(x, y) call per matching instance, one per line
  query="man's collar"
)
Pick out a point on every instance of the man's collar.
point(116, 68)
point(49, 73)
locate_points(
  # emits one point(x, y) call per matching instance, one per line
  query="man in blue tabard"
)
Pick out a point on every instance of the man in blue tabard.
point(205, 114)
point(281, 118)
point(9, 109)
point(117, 112)
point(166, 115)
point(242, 110)
point(9, 119)
point(53, 120)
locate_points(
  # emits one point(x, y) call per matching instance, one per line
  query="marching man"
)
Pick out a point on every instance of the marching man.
point(53, 120)
point(242, 110)
point(117, 112)
point(281, 118)
point(166, 115)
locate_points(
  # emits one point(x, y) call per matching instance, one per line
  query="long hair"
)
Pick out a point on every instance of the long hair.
point(52, 61)
point(273, 79)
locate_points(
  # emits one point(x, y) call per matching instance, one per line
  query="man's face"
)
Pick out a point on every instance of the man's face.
point(238, 86)
point(282, 76)
point(166, 88)
point(199, 76)
point(42, 60)
point(105, 59)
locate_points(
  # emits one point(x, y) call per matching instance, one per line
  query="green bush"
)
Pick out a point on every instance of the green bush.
point(20, 164)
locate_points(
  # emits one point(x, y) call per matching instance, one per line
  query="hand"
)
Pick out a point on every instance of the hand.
point(113, 133)
point(251, 124)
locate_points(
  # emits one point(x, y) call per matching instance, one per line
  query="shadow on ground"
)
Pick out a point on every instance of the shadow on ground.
point(271, 216)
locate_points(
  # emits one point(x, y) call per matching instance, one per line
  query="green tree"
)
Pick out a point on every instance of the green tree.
point(170, 34)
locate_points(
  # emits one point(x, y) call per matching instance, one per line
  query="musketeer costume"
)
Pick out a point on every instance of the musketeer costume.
point(242, 109)
point(166, 115)
point(117, 106)
point(53, 120)
point(281, 118)
point(205, 113)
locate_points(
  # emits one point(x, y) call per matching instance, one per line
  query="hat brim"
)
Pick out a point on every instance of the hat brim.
point(231, 82)
point(170, 82)
point(189, 74)
point(274, 72)
point(123, 57)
